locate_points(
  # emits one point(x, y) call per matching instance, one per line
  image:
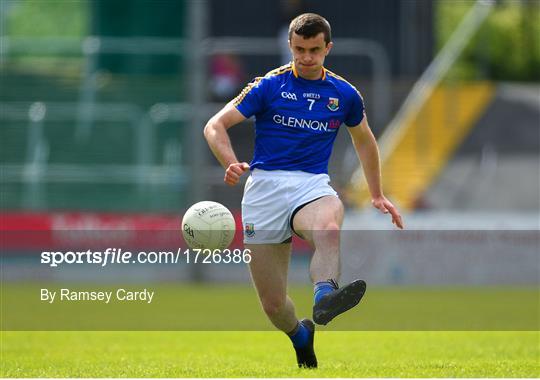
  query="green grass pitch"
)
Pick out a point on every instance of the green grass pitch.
point(229, 307)
point(359, 343)
point(268, 354)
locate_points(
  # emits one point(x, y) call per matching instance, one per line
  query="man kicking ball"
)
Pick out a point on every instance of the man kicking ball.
point(298, 110)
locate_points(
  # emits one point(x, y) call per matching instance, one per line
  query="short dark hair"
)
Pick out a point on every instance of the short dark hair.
point(308, 25)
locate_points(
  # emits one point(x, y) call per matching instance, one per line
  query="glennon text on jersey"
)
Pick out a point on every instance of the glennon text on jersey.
point(315, 125)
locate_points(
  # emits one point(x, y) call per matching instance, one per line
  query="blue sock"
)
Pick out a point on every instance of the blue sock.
point(299, 336)
point(324, 287)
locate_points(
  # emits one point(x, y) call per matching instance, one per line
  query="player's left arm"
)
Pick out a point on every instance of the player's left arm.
point(367, 151)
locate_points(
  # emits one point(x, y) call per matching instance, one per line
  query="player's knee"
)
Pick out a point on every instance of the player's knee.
point(273, 305)
point(327, 234)
point(330, 229)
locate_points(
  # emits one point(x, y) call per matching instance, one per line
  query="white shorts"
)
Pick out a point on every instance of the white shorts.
point(271, 199)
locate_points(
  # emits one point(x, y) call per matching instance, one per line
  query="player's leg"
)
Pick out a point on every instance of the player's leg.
point(266, 213)
point(319, 222)
point(269, 268)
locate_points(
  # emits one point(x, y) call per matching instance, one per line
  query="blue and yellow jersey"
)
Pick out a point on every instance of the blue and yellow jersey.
point(297, 120)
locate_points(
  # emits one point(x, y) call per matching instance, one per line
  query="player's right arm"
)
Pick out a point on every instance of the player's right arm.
point(218, 139)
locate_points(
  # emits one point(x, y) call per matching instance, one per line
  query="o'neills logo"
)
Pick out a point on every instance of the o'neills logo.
point(293, 122)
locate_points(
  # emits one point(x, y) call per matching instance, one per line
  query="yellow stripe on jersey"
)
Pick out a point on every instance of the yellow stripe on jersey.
point(280, 70)
point(337, 76)
point(295, 72)
point(246, 91)
point(344, 80)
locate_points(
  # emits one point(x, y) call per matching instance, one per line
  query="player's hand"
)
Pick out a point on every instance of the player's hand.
point(234, 172)
point(386, 207)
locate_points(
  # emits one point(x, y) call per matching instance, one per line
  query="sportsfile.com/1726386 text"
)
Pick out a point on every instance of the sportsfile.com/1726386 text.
point(119, 256)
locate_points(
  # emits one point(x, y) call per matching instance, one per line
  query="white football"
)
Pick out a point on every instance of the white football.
point(208, 225)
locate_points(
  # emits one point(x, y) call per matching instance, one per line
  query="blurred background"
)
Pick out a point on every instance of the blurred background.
point(103, 103)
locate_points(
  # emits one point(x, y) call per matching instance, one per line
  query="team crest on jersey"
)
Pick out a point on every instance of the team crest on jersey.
point(249, 229)
point(333, 104)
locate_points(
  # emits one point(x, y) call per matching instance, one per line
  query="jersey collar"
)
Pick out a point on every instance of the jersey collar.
point(295, 73)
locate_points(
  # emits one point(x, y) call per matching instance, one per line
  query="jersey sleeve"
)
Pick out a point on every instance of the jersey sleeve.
point(252, 98)
point(356, 112)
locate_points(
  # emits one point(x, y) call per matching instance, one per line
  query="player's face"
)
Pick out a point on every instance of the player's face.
point(308, 54)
